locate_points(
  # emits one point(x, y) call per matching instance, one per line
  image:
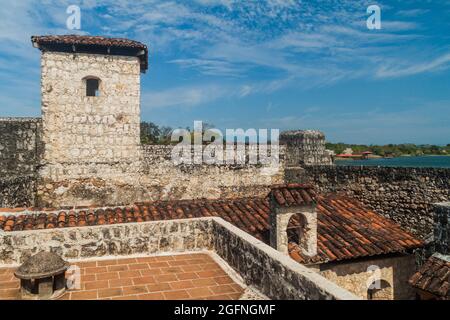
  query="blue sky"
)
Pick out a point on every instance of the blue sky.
point(282, 64)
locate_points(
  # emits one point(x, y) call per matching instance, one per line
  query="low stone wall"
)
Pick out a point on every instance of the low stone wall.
point(404, 195)
point(111, 240)
point(275, 274)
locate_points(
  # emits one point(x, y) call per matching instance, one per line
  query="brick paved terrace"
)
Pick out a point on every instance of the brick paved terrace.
point(185, 276)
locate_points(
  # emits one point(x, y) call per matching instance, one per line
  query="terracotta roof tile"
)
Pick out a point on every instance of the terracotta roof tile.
point(433, 277)
point(93, 41)
point(293, 195)
point(346, 229)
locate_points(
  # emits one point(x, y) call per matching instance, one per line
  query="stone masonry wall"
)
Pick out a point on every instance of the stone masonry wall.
point(165, 180)
point(305, 147)
point(90, 142)
point(404, 195)
point(355, 275)
point(154, 237)
point(20, 153)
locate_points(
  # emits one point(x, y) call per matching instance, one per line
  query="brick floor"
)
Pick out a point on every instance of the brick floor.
point(187, 276)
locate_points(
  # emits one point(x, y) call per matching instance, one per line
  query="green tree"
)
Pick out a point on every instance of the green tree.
point(150, 133)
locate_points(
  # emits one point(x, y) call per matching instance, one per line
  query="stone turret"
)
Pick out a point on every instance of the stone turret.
point(305, 148)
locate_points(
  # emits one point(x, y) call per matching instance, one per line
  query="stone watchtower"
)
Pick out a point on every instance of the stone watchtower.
point(91, 118)
point(303, 148)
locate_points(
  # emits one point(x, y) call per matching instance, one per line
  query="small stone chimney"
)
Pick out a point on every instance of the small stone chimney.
point(305, 148)
point(442, 228)
point(293, 218)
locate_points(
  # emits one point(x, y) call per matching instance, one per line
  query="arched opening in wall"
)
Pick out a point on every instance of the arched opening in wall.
point(380, 290)
point(295, 229)
point(302, 231)
point(92, 85)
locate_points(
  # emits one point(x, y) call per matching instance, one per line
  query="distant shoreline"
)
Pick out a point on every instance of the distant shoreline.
point(425, 161)
point(402, 156)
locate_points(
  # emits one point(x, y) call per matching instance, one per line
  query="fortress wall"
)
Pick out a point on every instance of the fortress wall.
point(157, 177)
point(190, 181)
point(20, 153)
point(404, 195)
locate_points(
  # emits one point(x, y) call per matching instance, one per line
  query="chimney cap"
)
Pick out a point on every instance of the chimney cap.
point(42, 265)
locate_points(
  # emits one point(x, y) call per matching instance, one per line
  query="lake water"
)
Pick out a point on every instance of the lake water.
point(423, 162)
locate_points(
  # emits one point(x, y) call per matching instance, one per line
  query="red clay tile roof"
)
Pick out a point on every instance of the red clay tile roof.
point(97, 41)
point(433, 277)
point(293, 195)
point(346, 229)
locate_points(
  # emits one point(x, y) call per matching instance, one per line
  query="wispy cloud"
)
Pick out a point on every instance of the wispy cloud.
point(412, 12)
point(210, 67)
point(182, 96)
point(437, 64)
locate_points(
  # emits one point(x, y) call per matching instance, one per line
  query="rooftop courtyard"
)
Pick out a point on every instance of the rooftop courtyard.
point(164, 277)
point(193, 258)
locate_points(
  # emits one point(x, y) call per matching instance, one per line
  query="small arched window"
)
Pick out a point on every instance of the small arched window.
point(302, 230)
point(92, 86)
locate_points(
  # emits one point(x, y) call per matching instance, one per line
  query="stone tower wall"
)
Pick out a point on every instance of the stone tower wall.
point(89, 141)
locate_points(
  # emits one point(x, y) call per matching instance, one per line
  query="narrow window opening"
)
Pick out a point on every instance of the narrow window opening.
point(92, 87)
